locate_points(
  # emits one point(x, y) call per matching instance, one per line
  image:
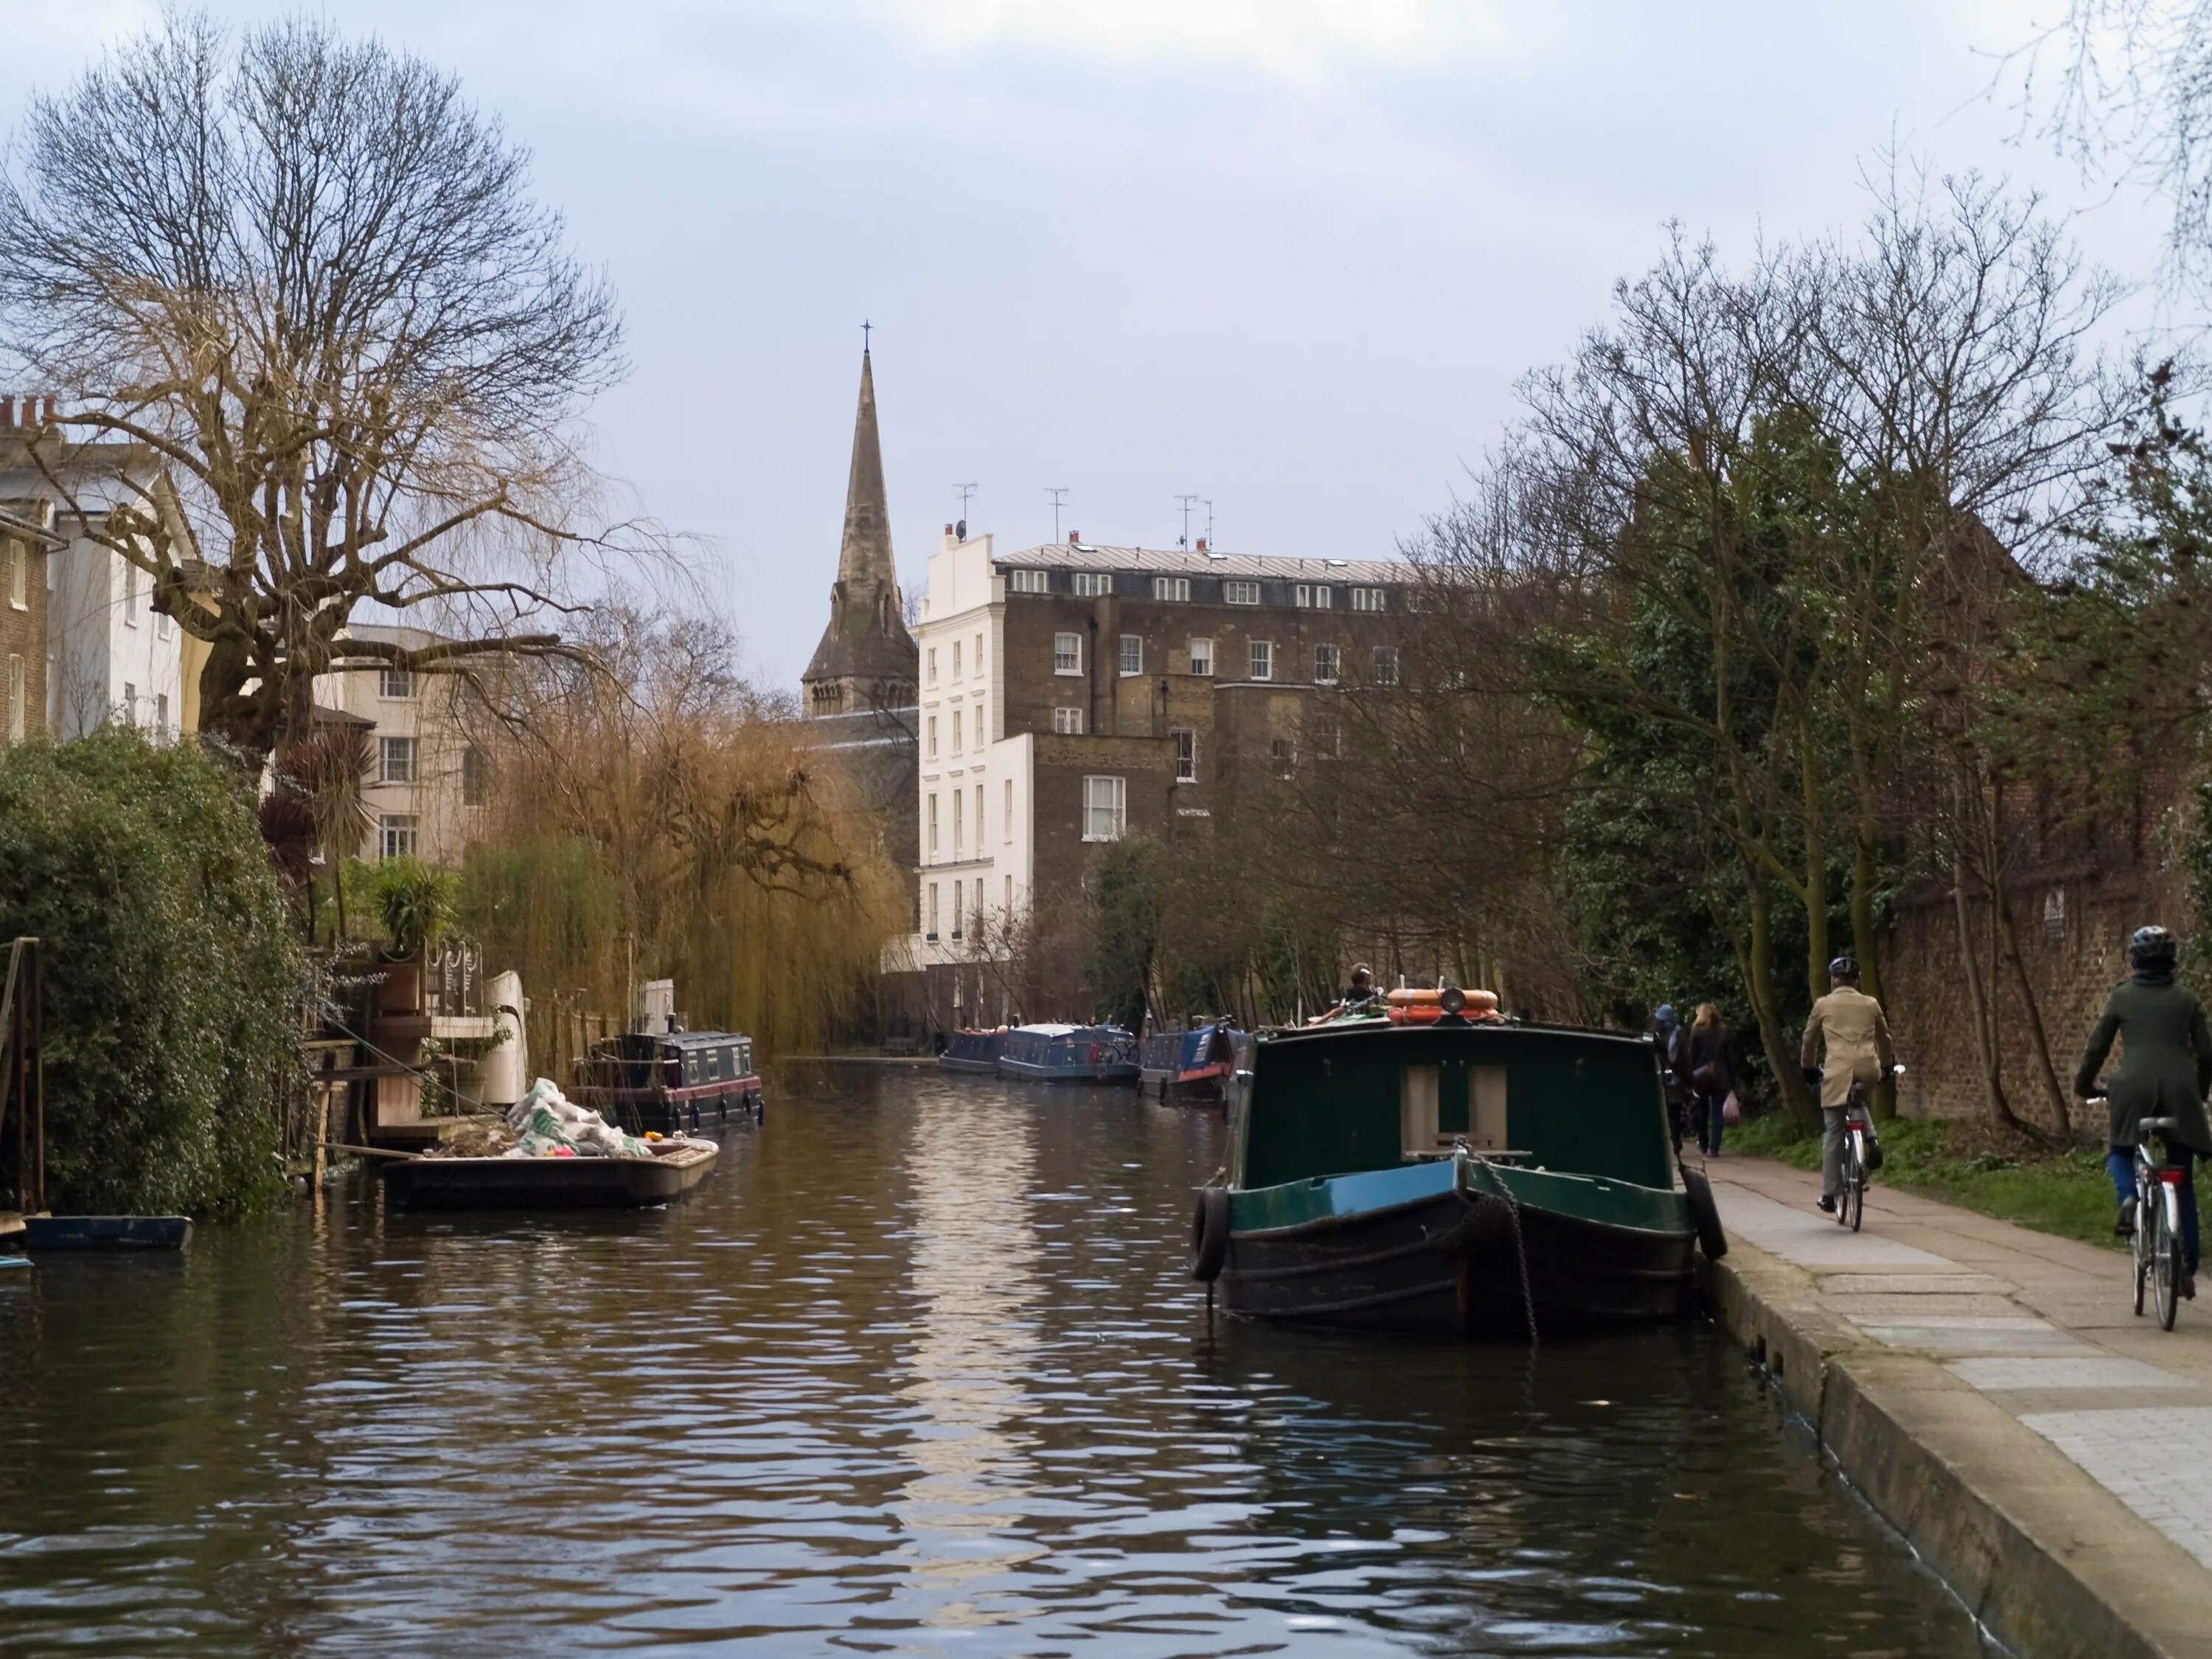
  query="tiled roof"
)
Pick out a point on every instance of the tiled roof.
point(1182, 561)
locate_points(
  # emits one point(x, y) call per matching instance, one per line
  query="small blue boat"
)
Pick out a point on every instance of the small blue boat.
point(107, 1232)
point(1069, 1054)
point(1189, 1066)
point(973, 1051)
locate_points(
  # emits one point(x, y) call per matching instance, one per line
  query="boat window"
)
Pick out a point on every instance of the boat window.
point(1416, 1108)
point(729, 1062)
point(691, 1066)
point(711, 1067)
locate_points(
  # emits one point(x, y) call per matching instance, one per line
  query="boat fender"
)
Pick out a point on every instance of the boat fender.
point(1704, 1214)
point(1209, 1234)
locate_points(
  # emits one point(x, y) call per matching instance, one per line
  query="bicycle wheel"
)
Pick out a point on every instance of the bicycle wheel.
point(2164, 1270)
point(2139, 1245)
point(1847, 1180)
point(1855, 1195)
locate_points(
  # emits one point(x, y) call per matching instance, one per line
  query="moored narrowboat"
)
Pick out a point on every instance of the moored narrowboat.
point(1069, 1054)
point(1190, 1066)
point(666, 1082)
point(973, 1052)
point(1452, 1174)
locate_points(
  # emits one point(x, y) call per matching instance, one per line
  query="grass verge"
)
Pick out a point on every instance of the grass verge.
point(2062, 1190)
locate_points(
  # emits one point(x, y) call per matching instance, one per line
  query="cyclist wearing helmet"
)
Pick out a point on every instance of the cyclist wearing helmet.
point(1850, 1024)
point(2165, 1066)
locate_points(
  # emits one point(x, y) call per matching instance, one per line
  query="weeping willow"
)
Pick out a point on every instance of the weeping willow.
point(658, 819)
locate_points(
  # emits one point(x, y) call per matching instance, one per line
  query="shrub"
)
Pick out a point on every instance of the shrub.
point(416, 905)
point(173, 981)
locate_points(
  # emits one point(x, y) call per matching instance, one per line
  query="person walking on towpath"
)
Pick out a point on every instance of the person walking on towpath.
point(1674, 1068)
point(2165, 1066)
point(1709, 1076)
point(1850, 1024)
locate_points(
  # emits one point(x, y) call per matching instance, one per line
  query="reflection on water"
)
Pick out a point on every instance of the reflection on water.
point(969, 1166)
point(917, 1371)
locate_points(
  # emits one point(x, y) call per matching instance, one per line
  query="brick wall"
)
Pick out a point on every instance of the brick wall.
point(2080, 895)
point(22, 633)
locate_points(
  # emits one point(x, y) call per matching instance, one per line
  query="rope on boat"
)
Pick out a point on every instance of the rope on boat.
point(1520, 1244)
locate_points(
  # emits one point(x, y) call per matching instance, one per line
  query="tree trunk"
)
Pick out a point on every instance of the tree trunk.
point(2010, 937)
point(1985, 1020)
point(1759, 982)
point(1864, 943)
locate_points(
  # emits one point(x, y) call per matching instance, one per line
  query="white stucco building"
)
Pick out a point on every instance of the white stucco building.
point(109, 655)
point(427, 790)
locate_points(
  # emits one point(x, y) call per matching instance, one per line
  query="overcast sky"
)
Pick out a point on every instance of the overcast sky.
point(1290, 254)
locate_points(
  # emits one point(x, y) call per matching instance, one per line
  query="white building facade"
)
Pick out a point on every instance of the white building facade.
point(428, 786)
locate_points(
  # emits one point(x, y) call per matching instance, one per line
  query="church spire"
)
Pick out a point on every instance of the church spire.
point(866, 659)
point(865, 560)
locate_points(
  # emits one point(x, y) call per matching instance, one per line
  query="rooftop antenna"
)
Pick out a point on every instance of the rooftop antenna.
point(1056, 494)
point(966, 490)
point(1186, 501)
point(1209, 523)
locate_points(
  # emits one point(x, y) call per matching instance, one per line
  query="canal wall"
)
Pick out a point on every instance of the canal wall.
point(2049, 1560)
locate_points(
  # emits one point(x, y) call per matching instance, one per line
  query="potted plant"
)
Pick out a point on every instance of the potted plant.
point(416, 905)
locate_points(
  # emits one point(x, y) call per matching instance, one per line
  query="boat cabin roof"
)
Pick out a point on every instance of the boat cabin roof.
point(700, 1039)
point(1370, 1095)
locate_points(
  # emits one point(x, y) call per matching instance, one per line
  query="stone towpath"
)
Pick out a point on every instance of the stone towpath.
point(2102, 1421)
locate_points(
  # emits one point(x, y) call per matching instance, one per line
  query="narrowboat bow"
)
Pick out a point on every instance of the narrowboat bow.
point(1451, 1175)
point(1190, 1066)
point(973, 1052)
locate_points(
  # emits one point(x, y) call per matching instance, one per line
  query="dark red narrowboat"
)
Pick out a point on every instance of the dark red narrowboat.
point(671, 1081)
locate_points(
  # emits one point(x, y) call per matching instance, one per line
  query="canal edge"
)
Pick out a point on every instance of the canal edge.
point(2047, 1561)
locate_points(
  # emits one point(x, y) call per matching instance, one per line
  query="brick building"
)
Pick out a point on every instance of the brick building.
point(1070, 695)
point(27, 543)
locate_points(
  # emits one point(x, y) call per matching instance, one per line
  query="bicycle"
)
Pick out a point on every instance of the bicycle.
point(2156, 1246)
point(1858, 1133)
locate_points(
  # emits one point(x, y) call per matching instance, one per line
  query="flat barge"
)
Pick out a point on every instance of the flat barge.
point(549, 1183)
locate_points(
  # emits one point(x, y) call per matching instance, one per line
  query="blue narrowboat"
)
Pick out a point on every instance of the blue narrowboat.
point(973, 1051)
point(1190, 1066)
point(1069, 1054)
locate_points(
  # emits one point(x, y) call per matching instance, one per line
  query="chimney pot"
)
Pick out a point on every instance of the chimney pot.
point(948, 530)
point(7, 412)
point(1202, 544)
point(49, 406)
point(1074, 538)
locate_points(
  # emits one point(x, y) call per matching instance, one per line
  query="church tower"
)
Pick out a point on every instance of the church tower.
point(867, 660)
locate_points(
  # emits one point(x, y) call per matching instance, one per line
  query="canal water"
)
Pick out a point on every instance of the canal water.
point(919, 1371)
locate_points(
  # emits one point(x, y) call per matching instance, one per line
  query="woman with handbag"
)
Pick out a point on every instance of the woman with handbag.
point(1709, 1076)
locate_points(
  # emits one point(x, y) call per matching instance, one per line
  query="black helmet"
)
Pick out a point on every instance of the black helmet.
point(2152, 949)
point(1845, 968)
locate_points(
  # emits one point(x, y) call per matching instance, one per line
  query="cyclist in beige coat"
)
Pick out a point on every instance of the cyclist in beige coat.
point(1848, 1024)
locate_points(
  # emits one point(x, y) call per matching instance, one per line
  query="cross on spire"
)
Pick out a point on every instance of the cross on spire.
point(865, 327)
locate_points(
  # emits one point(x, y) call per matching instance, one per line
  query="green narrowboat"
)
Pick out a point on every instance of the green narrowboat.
point(1455, 1176)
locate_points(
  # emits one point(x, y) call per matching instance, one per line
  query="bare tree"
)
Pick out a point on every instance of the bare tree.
point(305, 277)
point(2125, 89)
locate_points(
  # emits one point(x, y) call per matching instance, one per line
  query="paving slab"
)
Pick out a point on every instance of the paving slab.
point(2158, 1461)
point(1992, 1392)
point(1924, 1284)
point(1995, 1375)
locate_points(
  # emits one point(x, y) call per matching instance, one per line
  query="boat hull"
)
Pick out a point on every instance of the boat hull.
point(1080, 1072)
point(545, 1183)
point(1449, 1261)
point(674, 1111)
point(107, 1232)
